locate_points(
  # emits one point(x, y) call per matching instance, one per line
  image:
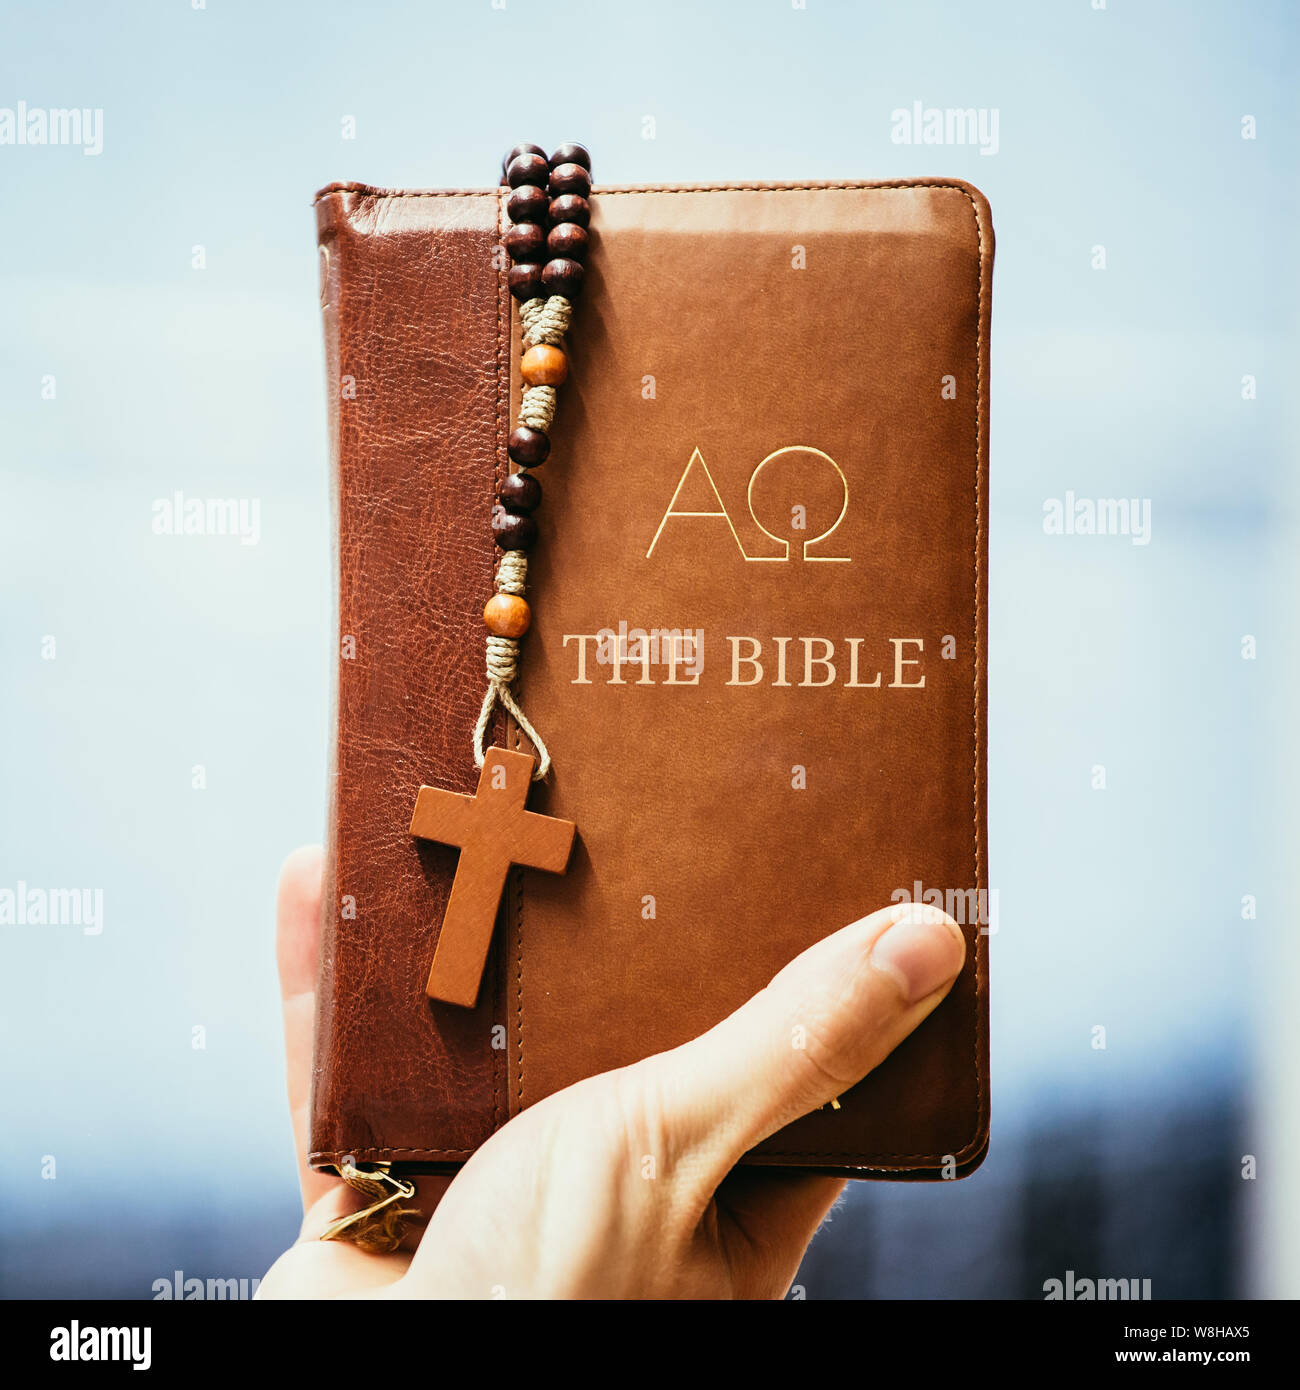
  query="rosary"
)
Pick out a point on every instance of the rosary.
point(549, 214)
point(549, 211)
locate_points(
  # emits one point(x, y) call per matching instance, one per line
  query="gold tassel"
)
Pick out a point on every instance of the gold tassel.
point(378, 1228)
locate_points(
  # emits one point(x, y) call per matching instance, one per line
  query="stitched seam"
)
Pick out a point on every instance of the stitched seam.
point(761, 1156)
point(498, 1063)
point(332, 1155)
point(518, 896)
point(365, 190)
point(368, 191)
point(980, 867)
point(515, 890)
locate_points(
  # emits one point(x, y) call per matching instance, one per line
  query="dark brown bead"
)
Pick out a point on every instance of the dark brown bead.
point(528, 168)
point(568, 241)
point(528, 447)
point(571, 207)
point(526, 241)
point(570, 178)
point(572, 154)
point(527, 203)
point(520, 492)
point(514, 154)
point(511, 531)
point(525, 280)
point(562, 276)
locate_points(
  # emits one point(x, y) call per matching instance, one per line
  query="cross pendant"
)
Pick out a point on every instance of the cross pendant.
point(492, 831)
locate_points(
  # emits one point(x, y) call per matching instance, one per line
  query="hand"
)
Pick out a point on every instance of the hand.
point(559, 1204)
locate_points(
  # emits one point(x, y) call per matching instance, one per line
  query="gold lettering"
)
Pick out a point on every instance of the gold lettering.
point(809, 660)
point(676, 652)
point(898, 683)
point(752, 658)
point(640, 654)
point(697, 457)
point(749, 498)
point(608, 653)
point(781, 644)
point(853, 683)
point(581, 638)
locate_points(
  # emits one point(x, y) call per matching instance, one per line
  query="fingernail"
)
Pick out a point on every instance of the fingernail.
point(922, 950)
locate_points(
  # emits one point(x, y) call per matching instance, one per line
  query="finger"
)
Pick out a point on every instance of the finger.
point(823, 1023)
point(297, 945)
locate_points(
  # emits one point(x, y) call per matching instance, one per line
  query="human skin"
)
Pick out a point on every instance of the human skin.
point(626, 1185)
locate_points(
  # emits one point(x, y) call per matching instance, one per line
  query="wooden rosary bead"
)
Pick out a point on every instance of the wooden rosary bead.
point(514, 154)
point(520, 492)
point(572, 154)
point(525, 280)
point(570, 178)
point(571, 207)
point(562, 276)
point(528, 168)
point(527, 203)
point(526, 241)
point(568, 241)
point(544, 364)
point(527, 447)
point(507, 615)
point(512, 531)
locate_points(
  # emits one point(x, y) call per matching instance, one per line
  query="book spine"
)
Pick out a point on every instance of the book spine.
point(322, 1057)
point(416, 339)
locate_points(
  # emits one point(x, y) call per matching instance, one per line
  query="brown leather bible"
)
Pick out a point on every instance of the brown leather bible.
point(758, 652)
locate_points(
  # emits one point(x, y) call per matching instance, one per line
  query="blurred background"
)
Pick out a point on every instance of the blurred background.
point(166, 697)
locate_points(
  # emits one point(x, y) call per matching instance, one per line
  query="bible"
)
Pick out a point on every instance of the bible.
point(758, 649)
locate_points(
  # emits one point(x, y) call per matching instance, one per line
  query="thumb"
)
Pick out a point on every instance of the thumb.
point(823, 1023)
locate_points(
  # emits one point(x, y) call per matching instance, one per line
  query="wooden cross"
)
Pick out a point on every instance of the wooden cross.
point(493, 831)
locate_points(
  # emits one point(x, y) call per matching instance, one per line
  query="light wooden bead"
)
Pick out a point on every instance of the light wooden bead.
point(507, 615)
point(543, 365)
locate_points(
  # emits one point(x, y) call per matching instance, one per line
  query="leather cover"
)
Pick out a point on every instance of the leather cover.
point(774, 435)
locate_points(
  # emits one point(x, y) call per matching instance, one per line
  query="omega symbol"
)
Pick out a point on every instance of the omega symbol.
point(814, 471)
